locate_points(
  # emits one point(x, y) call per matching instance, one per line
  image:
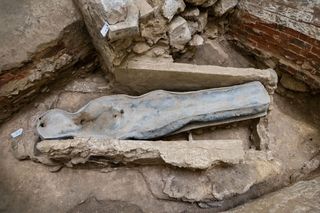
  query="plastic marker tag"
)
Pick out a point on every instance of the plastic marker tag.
point(17, 133)
point(104, 30)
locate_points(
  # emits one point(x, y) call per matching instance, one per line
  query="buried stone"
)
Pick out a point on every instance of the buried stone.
point(155, 114)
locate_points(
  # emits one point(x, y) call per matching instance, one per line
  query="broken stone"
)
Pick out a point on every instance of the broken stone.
point(300, 197)
point(217, 186)
point(260, 135)
point(145, 8)
point(193, 27)
point(288, 82)
point(198, 24)
point(202, 21)
point(154, 29)
point(172, 7)
point(197, 40)
point(191, 13)
point(145, 75)
point(121, 34)
point(127, 28)
point(179, 33)
point(209, 3)
point(158, 51)
point(158, 113)
point(182, 154)
point(116, 10)
point(122, 17)
point(196, 2)
point(223, 6)
point(212, 31)
point(140, 47)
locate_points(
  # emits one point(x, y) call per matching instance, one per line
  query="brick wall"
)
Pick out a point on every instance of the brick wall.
point(285, 35)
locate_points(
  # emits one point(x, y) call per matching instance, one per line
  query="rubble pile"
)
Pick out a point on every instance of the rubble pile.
point(123, 29)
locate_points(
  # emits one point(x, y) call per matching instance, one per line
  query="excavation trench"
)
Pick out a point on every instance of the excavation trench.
point(194, 106)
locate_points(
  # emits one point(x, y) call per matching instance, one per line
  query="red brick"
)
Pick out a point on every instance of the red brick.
point(294, 48)
point(309, 40)
point(5, 78)
point(267, 30)
point(247, 17)
point(250, 30)
point(300, 43)
point(289, 31)
point(285, 68)
point(315, 50)
point(252, 41)
point(262, 46)
point(292, 56)
point(312, 56)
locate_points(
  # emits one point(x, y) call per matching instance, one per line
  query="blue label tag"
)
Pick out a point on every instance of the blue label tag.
point(17, 133)
point(104, 30)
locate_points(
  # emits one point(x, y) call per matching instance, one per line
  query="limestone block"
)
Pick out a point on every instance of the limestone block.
point(172, 7)
point(140, 48)
point(154, 29)
point(112, 48)
point(129, 26)
point(179, 33)
point(144, 75)
point(197, 40)
point(198, 23)
point(116, 10)
point(145, 9)
point(201, 154)
point(224, 6)
point(202, 21)
point(193, 27)
point(191, 13)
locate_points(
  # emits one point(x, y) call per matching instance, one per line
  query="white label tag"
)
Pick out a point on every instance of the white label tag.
point(104, 30)
point(16, 133)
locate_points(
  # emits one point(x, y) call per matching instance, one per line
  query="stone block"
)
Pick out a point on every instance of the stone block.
point(223, 6)
point(201, 154)
point(145, 75)
point(171, 7)
point(179, 33)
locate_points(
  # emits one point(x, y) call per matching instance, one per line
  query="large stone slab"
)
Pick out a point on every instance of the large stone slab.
point(41, 41)
point(155, 114)
point(217, 187)
point(201, 154)
point(146, 75)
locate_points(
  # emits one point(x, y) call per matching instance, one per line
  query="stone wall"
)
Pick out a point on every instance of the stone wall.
point(283, 34)
point(41, 42)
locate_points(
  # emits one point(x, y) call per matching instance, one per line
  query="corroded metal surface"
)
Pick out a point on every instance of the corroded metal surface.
point(155, 114)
